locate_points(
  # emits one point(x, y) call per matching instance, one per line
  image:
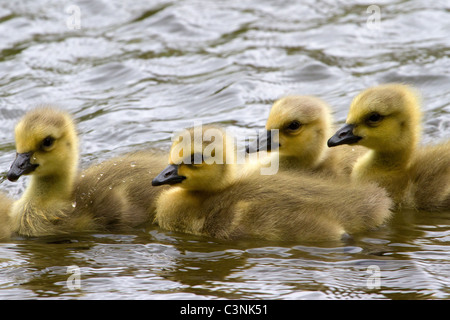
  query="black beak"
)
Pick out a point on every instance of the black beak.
point(168, 176)
point(20, 166)
point(343, 136)
point(263, 142)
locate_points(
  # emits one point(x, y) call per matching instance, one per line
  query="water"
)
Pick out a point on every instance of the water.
point(137, 71)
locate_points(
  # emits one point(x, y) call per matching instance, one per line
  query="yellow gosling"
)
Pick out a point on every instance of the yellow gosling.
point(209, 196)
point(387, 120)
point(60, 200)
point(303, 125)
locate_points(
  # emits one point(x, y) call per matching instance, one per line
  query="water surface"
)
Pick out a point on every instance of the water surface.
point(136, 71)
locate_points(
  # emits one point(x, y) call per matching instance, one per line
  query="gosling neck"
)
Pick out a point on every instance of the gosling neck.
point(44, 190)
point(211, 186)
point(395, 160)
point(228, 177)
point(397, 155)
point(310, 159)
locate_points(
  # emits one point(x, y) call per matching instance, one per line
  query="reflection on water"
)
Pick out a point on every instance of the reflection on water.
point(137, 71)
point(412, 258)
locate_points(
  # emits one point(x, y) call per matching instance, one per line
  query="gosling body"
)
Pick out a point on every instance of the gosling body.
point(5, 224)
point(117, 194)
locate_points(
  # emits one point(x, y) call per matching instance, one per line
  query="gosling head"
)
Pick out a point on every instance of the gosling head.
point(200, 159)
point(385, 118)
point(302, 123)
point(46, 144)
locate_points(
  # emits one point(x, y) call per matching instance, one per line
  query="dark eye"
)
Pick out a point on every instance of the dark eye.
point(374, 118)
point(48, 142)
point(294, 125)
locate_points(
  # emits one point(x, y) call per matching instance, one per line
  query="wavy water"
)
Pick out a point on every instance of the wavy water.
point(134, 72)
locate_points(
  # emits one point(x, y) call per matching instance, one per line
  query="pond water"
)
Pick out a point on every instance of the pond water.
point(133, 72)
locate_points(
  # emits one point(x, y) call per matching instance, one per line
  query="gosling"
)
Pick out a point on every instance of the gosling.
point(58, 200)
point(210, 196)
point(387, 120)
point(299, 126)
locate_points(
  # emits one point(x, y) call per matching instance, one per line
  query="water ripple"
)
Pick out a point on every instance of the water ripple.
point(135, 72)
